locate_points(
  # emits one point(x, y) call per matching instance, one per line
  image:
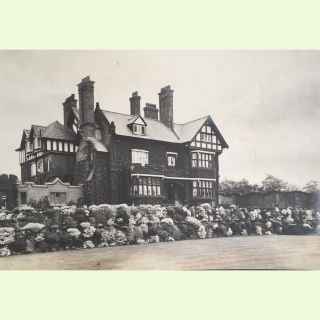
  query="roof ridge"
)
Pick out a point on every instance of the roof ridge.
point(124, 114)
point(37, 125)
point(192, 120)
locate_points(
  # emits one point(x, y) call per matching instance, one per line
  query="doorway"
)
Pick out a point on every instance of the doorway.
point(175, 191)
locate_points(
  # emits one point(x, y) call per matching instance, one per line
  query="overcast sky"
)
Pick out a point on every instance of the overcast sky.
point(266, 103)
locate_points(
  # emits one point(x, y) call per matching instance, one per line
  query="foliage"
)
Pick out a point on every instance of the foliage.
point(271, 183)
point(239, 187)
point(312, 187)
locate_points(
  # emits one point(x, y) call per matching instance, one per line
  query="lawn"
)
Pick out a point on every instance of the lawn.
point(254, 252)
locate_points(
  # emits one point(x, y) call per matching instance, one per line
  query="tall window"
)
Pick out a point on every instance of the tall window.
point(33, 169)
point(171, 157)
point(98, 134)
point(60, 146)
point(65, 147)
point(202, 189)
point(28, 146)
point(140, 156)
point(40, 166)
point(202, 160)
point(48, 145)
point(54, 145)
point(145, 187)
point(48, 165)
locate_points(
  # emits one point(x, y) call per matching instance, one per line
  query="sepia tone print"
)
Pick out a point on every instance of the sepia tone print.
point(160, 160)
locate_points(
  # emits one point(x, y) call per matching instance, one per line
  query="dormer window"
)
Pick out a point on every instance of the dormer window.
point(138, 129)
point(137, 125)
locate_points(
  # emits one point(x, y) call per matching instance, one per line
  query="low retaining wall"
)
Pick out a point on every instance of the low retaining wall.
point(57, 192)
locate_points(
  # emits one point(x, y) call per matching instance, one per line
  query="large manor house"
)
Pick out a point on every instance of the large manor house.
point(102, 156)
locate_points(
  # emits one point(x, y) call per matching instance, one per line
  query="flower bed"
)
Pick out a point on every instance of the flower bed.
point(26, 230)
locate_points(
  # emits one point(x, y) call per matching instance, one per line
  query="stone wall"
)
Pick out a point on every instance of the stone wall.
point(34, 192)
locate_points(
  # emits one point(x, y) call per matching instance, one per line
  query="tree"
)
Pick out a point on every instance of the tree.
point(239, 187)
point(271, 183)
point(312, 186)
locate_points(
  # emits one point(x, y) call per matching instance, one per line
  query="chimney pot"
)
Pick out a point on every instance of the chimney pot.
point(151, 111)
point(166, 106)
point(69, 104)
point(135, 103)
point(86, 106)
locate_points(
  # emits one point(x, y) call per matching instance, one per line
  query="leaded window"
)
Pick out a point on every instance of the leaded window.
point(139, 157)
point(202, 160)
point(202, 189)
point(145, 187)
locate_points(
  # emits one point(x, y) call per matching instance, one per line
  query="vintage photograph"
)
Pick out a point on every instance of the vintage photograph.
point(160, 160)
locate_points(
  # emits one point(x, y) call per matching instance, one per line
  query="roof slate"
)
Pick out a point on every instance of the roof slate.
point(56, 130)
point(156, 130)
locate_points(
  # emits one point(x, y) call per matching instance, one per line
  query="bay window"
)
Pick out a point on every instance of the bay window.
point(202, 189)
point(202, 160)
point(145, 186)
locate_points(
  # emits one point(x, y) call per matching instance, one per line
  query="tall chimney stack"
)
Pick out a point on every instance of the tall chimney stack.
point(86, 107)
point(166, 106)
point(151, 111)
point(69, 104)
point(135, 103)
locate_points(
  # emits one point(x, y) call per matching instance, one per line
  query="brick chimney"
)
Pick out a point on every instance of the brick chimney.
point(135, 103)
point(166, 106)
point(151, 111)
point(86, 107)
point(69, 104)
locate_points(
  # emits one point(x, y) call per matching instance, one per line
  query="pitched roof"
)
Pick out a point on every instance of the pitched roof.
point(188, 130)
point(156, 130)
point(56, 130)
point(25, 135)
point(38, 130)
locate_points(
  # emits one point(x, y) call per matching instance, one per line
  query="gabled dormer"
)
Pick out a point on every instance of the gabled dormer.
point(137, 125)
